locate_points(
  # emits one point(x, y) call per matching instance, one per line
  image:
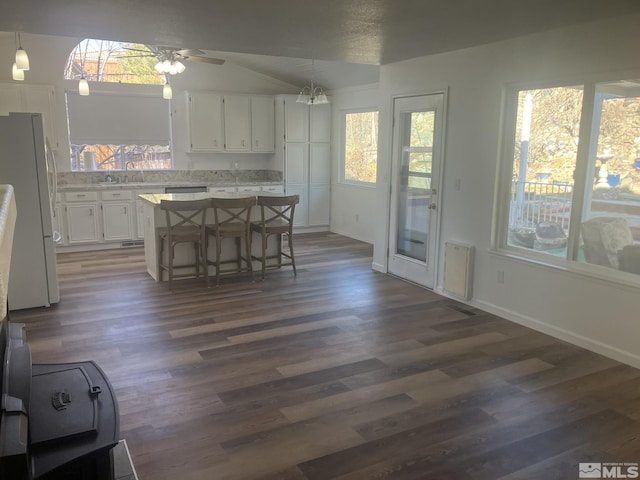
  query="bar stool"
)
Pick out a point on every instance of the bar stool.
point(232, 217)
point(276, 218)
point(186, 223)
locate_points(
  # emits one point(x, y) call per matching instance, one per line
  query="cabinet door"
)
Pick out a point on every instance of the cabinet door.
point(237, 123)
point(296, 163)
point(319, 205)
point(82, 221)
point(262, 124)
point(319, 163)
point(205, 122)
point(117, 220)
point(296, 120)
point(301, 214)
point(320, 123)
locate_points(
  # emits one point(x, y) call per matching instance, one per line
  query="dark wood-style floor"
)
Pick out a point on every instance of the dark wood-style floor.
point(341, 372)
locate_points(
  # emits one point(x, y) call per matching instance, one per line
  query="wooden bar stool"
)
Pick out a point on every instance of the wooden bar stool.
point(186, 223)
point(232, 217)
point(276, 218)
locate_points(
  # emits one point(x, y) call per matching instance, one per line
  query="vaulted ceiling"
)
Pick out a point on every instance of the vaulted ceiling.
point(373, 32)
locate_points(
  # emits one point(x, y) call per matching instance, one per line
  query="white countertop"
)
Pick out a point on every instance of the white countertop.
point(151, 185)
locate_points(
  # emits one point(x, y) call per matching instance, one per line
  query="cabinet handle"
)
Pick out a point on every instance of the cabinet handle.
point(257, 143)
point(80, 195)
point(115, 194)
point(91, 212)
point(124, 209)
point(243, 143)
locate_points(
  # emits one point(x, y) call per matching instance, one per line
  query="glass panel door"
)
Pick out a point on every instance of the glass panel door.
point(417, 157)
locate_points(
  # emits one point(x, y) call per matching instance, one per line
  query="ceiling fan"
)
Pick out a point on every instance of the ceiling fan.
point(170, 58)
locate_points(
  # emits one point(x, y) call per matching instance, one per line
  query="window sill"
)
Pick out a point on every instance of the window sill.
point(605, 276)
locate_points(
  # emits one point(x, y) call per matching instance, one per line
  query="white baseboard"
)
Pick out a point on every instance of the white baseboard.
point(556, 332)
point(379, 267)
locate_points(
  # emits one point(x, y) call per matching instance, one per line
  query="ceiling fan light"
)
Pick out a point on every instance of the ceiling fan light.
point(166, 66)
point(158, 67)
point(22, 59)
point(179, 67)
point(167, 92)
point(83, 87)
point(16, 73)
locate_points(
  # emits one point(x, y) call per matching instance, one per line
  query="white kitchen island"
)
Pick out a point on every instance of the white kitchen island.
point(154, 217)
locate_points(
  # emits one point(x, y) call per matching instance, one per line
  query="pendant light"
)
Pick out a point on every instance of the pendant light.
point(83, 86)
point(16, 73)
point(167, 91)
point(22, 59)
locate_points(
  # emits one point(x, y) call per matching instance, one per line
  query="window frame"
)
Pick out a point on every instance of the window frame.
point(507, 141)
point(343, 146)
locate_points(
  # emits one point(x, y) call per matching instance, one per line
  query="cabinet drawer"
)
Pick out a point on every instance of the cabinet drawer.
point(249, 188)
point(273, 188)
point(81, 196)
point(117, 195)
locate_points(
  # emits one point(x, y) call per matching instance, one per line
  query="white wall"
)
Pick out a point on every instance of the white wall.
point(599, 315)
point(48, 56)
point(351, 212)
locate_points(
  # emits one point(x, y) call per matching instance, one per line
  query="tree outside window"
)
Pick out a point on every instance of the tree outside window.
point(360, 147)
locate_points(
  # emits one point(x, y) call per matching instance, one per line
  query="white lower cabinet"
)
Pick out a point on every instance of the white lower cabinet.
point(117, 215)
point(116, 219)
point(82, 221)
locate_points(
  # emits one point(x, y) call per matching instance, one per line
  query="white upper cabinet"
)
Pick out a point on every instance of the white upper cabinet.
point(237, 122)
point(262, 124)
point(296, 121)
point(320, 123)
point(206, 122)
point(9, 98)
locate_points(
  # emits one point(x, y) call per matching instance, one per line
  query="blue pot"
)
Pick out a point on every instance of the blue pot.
point(613, 179)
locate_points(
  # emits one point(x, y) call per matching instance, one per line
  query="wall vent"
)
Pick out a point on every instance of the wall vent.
point(458, 269)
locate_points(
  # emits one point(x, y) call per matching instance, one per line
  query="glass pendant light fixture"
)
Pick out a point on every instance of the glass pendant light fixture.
point(83, 86)
point(167, 91)
point(22, 59)
point(16, 73)
point(312, 94)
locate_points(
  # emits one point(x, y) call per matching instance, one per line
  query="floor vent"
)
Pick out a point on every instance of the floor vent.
point(132, 243)
point(458, 269)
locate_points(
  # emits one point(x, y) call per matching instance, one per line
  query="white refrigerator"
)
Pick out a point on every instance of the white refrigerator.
point(26, 164)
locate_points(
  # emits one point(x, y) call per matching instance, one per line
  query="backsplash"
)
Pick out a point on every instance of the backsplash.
point(169, 176)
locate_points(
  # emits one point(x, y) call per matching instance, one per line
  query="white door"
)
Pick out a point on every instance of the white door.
point(417, 157)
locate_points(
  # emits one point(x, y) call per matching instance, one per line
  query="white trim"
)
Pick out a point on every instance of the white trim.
point(552, 330)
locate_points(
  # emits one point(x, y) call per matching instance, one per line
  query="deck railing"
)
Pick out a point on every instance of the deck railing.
point(535, 202)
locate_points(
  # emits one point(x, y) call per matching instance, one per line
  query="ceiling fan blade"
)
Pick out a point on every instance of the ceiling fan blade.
point(215, 61)
point(188, 52)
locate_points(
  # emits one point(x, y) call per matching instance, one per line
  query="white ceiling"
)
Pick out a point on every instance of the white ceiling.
point(348, 32)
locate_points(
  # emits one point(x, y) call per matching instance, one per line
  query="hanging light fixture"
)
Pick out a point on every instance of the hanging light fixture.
point(22, 59)
point(312, 94)
point(83, 86)
point(167, 91)
point(16, 73)
point(168, 63)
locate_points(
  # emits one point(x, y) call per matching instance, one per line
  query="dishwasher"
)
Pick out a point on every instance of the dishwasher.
point(186, 189)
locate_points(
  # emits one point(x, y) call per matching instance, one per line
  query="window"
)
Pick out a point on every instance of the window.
point(571, 185)
point(109, 61)
point(118, 132)
point(360, 160)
